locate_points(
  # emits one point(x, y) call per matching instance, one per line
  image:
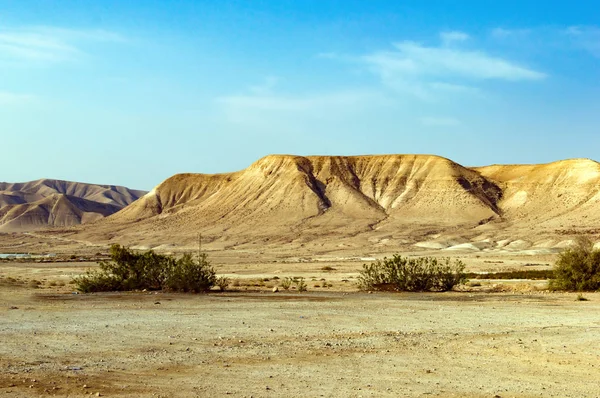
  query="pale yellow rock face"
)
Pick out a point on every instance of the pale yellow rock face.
point(562, 194)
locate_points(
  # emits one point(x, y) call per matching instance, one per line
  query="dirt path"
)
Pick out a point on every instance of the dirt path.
point(293, 345)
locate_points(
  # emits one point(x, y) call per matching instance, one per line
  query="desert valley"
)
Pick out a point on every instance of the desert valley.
point(316, 198)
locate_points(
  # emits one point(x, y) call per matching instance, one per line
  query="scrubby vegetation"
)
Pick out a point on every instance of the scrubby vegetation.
point(524, 274)
point(129, 270)
point(222, 282)
point(300, 284)
point(286, 283)
point(411, 274)
point(577, 268)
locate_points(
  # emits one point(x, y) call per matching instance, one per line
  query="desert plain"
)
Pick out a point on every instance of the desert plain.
point(498, 339)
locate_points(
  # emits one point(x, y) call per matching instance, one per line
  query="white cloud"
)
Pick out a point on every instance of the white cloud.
point(48, 44)
point(439, 121)
point(585, 37)
point(8, 98)
point(427, 72)
point(453, 36)
point(299, 103)
point(297, 117)
point(502, 33)
point(414, 60)
point(98, 35)
point(296, 111)
point(580, 37)
point(329, 55)
point(452, 87)
point(266, 87)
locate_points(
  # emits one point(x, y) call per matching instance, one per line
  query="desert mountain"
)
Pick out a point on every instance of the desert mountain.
point(42, 203)
point(365, 201)
point(282, 198)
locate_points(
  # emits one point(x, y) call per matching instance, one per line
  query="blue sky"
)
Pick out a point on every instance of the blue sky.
point(130, 93)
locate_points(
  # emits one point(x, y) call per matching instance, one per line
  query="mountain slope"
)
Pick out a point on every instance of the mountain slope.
point(42, 203)
point(284, 198)
point(563, 194)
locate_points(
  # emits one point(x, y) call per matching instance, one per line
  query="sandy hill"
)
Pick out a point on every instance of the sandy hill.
point(284, 198)
point(564, 194)
point(42, 203)
point(322, 204)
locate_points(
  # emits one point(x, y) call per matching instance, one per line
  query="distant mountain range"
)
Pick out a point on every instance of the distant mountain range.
point(55, 203)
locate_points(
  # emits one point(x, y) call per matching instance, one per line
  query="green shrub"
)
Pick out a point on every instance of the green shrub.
point(222, 282)
point(191, 275)
point(411, 274)
point(577, 268)
point(128, 270)
point(300, 284)
point(97, 281)
point(286, 283)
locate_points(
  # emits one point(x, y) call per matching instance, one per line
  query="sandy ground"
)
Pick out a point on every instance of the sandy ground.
point(320, 343)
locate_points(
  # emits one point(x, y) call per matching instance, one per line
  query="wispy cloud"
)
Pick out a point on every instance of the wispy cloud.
point(453, 87)
point(503, 33)
point(412, 59)
point(294, 103)
point(424, 71)
point(276, 109)
point(453, 36)
point(43, 44)
point(9, 98)
point(439, 121)
point(585, 37)
point(266, 87)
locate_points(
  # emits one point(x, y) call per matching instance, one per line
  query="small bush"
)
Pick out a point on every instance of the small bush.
point(300, 284)
point(327, 268)
point(128, 270)
point(286, 283)
point(411, 274)
point(34, 284)
point(222, 282)
point(577, 268)
point(581, 297)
